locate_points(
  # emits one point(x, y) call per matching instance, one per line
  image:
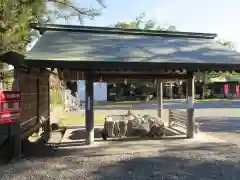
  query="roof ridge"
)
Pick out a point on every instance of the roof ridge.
point(110, 30)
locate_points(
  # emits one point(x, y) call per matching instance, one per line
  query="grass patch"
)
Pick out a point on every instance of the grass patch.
point(73, 119)
point(211, 100)
point(56, 97)
point(154, 102)
point(121, 103)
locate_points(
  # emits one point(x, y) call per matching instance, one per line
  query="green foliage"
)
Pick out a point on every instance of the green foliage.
point(206, 76)
point(17, 14)
point(14, 23)
point(141, 23)
point(227, 43)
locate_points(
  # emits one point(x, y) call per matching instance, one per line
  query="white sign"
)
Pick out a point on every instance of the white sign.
point(88, 107)
point(190, 102)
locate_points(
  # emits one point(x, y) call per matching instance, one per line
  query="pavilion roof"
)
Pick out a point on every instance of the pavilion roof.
point(80, 47)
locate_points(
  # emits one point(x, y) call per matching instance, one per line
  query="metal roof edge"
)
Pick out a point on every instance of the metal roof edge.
point(110, 30)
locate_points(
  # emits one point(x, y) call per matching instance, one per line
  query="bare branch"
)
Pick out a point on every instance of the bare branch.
point(80, 11)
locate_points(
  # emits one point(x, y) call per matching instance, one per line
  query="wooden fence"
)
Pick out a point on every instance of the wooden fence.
point(178, 118)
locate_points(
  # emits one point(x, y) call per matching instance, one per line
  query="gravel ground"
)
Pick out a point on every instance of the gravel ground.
point(205, 162)
point(208, 161)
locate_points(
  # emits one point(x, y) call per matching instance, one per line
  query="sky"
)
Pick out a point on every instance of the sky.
point(210, 16)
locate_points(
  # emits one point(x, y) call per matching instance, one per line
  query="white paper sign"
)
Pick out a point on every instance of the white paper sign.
point(190, 102)
point(88, 107)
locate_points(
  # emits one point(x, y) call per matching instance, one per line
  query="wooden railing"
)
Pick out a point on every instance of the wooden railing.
point(178, 118)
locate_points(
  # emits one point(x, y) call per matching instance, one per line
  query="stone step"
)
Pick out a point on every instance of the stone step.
point(56, 137)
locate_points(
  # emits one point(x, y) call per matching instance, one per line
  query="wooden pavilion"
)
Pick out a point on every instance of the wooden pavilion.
point(104, 54)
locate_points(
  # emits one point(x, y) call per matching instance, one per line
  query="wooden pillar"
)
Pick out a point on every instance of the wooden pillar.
point(78, 94)
point(38, 103)
point(89, 112)
point(171, 91)
point(204, 88)
point(15, 128)
point(47, 124)
point(190, 105)
point(186, 95)
point(160, 98)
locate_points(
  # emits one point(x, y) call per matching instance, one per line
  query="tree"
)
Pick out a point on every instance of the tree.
point(16, 16)
point(66, 9)
point(225, 43)
point(141, 23)
point(205, 77)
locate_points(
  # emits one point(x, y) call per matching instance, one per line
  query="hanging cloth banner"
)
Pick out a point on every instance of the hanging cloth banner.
point(226, 90)
point(237, 90)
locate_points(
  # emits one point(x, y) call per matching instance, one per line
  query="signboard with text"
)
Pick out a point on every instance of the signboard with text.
point(10, 106)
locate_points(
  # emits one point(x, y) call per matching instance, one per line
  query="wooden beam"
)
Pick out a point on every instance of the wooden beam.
point(108, 77)
point(146, 71)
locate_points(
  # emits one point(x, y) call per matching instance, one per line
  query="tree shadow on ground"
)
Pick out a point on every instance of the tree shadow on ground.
point(206, 160)
point(219, 124)
point(82, 134)
point(169, 166)
point(78, 145)
point(39, 149)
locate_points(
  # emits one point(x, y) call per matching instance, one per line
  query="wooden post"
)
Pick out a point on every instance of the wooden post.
point(204, 88)
point(38, 103)
point(78, 93)
point(89, 113)
point(15, 126)
point(47, 124)
point(186, 95)
point(169, 118)
point(16, 140)
point(190, 105)
point(171, 91)
point(160, 97)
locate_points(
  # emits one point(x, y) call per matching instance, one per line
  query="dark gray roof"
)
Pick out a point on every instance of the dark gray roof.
point(103, 47)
